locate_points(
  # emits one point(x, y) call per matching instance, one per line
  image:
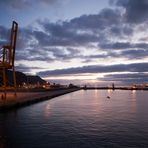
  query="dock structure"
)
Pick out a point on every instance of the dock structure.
point(28, 98)
point(7, 58)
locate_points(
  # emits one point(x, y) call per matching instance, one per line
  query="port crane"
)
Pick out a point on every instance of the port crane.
point(7, 58)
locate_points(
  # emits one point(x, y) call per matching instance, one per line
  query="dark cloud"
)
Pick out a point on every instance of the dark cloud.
point(130, 54)
point(15, 4)
point(26, 68)
point(123, 45)
point(121, 30)
point(128, 78)
point(35, 44)
point(65, 54)
point(56, 41)
point(48, 1)
point(84, 30)
point(134, 54)
point(47, 54)
point(62, 40)
point(63, 34)
point(32, 55)
point(4, 35)
point(23, 4)
point(107, 17)
point(136, 67)
point(116, 45)
point(136, 11)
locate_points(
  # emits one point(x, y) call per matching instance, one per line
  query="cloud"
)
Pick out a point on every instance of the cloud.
point(23, 4)
point(107, 17)
point(60, 42)
point(24, 68)
point(53, 39)
point(116, 45)
point(123, 45)
point(27, 68)
point(136, 67)
point(67, 40)
point(4, 35)
point(15, 4)
point(134, 54)
point(128, 78)
point(130, 54)
point(136, 11)
point(84, 30)
point(63, 34)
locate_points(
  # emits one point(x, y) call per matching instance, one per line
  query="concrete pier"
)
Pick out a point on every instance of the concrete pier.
point(27, 98)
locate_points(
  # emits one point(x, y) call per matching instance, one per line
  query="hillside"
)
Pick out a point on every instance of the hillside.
point(22, 78)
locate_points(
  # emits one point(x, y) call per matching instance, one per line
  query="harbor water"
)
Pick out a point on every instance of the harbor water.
point(82, 119)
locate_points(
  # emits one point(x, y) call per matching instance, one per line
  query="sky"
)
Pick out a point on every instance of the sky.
point(93, 42)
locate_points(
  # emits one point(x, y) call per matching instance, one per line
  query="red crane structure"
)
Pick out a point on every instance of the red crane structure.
point(7, 58)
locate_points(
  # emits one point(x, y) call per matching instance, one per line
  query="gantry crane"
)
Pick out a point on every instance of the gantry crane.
point(7, 57)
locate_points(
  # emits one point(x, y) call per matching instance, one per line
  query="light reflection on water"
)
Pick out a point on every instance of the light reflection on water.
point(82, 119)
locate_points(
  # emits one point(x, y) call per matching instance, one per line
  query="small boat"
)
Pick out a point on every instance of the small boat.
point(108, 97)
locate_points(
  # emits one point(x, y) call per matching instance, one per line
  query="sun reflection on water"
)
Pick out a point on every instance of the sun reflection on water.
point(134, 103)
point(48, 110)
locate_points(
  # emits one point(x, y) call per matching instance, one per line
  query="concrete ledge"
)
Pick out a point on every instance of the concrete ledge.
point(28, 98)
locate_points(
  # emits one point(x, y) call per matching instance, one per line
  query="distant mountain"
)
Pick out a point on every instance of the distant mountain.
point(35, 80)
point(22, 78)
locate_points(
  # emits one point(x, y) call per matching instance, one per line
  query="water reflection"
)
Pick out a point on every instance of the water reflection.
point(82, 119)
point(95, 101)
point(134, 102)
point(110, 91)
point(47, 110)
point(134, 94)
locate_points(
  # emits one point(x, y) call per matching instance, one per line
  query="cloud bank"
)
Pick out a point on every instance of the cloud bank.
point(115, 33)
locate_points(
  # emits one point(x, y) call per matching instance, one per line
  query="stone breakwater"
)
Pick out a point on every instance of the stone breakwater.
point(28, 98)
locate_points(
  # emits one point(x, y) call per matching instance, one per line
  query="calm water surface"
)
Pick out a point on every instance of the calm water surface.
point(82, 119)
